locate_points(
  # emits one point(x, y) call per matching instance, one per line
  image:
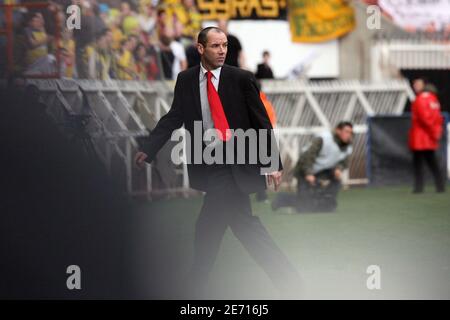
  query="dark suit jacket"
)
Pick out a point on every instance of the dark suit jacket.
point(243, 108)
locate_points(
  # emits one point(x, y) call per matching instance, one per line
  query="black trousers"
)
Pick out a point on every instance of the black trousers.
point(224, 206)
point(428, 157)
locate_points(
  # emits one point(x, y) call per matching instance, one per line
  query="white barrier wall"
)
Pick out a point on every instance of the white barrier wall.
point(121, 111)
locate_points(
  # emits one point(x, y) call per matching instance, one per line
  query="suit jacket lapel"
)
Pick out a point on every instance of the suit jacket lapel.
point(223, 89)
point(223, 83)
point(196, 91)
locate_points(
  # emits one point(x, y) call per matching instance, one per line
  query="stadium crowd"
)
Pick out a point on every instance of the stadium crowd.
point(117, 39)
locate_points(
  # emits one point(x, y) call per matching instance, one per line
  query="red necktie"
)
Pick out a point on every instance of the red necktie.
point(217, 113)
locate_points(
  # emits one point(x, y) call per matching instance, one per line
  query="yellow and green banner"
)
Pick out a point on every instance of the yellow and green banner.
point(319, 20)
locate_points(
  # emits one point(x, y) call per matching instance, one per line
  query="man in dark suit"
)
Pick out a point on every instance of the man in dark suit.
point(220, 97)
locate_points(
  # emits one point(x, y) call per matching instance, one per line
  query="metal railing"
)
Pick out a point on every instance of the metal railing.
point(304, 108)
point(388, 56)
point(122, 111)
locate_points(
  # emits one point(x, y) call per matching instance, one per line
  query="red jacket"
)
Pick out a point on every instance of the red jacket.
point(427, 122)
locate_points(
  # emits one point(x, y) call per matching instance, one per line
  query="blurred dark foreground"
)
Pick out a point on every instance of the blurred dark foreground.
point(59, 208)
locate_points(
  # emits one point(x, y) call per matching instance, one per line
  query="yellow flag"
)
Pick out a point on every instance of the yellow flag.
point(319, 20)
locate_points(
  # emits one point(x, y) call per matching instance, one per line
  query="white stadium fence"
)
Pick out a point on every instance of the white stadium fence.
point(122, 111)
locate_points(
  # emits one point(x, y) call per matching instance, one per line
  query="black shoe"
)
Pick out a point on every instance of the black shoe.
point(417, 191)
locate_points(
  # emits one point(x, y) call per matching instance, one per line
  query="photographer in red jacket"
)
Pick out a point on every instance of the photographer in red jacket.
point(426, 130)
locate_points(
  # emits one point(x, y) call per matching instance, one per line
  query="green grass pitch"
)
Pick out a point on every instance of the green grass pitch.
point(406, 235)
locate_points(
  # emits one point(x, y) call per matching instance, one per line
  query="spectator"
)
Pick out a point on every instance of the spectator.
point(49, 14)
point(147, 19)
point(154, 63)
point(104, 12)
point(173, 56)
point(91, 24)
point(111, 54)
point(180, 61)
point(424, 135)
point(37, 59)
point(114, 25)
point(166, 29)
point(166, 53)
point(161, 21)
point(99, 61)
point(235, 55)
point(141, 58)
point(178, 33)
point(130, 21)
point(319, 172)
point(447, 31)
point(418, 85)
point(67, 49)
point(192, 55)
point(126, 66)
point(264, 71)
point(190, 18)
point(99, 25)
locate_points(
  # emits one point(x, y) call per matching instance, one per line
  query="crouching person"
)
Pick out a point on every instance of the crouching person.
point(319, 171)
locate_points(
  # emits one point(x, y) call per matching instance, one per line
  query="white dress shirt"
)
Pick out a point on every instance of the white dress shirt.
point(206, 111)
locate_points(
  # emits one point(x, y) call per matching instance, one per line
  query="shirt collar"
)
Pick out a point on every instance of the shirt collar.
point(215, 72)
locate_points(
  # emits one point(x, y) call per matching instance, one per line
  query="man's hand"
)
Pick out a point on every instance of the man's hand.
point(311, 179)
point(338, 174)
point(274, 179)
point(139, 159)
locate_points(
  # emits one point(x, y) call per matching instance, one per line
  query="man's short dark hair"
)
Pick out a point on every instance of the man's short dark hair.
point(203, 35)
point(160, 12)
point(343, 124)
point(424, 79)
